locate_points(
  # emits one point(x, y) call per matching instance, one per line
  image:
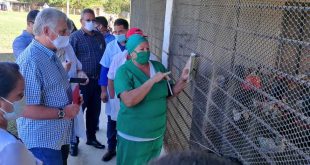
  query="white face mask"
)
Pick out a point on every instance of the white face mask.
point(18, 108)
point(61, 42)
point(89, 26)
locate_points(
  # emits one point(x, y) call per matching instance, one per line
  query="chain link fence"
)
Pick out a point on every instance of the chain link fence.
point(249, 98)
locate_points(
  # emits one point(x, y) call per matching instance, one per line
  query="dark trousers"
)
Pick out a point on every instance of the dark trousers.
point(111, 134)
point(65, 153)
point(91, 95)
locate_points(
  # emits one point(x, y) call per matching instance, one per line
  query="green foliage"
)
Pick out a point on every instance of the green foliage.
point(110, 6)
point(35, 1)
point(116, 6)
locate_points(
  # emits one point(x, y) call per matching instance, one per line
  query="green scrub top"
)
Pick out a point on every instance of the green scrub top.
point(147, 119)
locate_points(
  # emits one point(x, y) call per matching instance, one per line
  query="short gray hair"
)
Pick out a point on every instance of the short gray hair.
point(47, 18)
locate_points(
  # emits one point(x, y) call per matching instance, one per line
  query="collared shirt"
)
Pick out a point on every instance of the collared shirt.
point(67, 54)
point(21, 42)
point(89, 50)
point(46, 84)
point(112, 49)
point(108, 37)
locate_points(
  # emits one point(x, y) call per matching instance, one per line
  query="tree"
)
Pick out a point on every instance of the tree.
point(78, 3)
point(35, 1)
point(110, 6)
point(116, 6)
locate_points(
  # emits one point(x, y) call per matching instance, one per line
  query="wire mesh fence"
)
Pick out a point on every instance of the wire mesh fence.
point(149, 15)
point(250, 96)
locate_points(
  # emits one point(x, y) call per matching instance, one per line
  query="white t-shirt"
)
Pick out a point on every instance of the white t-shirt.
point(14, 152)
point(68, 54)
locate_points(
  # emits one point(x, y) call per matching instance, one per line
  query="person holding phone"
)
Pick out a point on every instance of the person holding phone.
point(142, 88)
point(71, 64)
point(73, 67)
point(89, 46)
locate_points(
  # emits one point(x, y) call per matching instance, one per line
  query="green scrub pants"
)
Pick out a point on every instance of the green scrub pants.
point(137, 153)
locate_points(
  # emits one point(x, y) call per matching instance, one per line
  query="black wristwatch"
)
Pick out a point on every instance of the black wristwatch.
point(61, 113)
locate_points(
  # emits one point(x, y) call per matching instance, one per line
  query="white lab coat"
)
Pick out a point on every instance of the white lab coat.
point(111, 50)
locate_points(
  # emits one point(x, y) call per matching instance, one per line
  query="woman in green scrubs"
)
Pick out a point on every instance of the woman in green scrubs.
point(142, 86)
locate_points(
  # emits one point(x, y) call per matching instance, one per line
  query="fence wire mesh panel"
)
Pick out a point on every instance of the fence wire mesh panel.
point(249, 98)
point(149, 15)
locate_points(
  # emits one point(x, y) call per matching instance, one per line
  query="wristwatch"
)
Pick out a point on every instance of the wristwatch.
point(61, 113)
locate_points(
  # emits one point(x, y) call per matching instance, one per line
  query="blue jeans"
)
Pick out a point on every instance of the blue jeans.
point(111, 134)
point(48, 156)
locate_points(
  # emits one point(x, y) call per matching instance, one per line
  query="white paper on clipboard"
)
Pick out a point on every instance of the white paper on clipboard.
point(190, 65)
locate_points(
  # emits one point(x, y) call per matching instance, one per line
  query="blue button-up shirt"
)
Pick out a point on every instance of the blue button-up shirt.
point(46, 84)
point(21, 42)
point(89, 50)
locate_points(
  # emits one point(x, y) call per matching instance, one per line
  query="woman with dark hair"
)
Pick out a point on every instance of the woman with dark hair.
point(12, 150)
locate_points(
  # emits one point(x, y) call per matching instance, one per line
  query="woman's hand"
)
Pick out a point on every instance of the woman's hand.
point(185, 74)
point(181, 84)
point(159, 76)
point(82, 74)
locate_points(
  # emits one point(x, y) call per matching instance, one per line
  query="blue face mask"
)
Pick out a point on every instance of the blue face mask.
point(120, 38)
point(17, 108)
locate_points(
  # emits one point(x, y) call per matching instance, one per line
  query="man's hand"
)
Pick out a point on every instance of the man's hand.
point(104, 96)
point(82, 74)
point(71, 111)
point(67, 65)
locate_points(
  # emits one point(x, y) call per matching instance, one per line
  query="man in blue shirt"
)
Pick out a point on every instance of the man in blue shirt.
point(22, 41)
point(102, 26)
point(89, 46)
point(46, 125)
point(114, 47)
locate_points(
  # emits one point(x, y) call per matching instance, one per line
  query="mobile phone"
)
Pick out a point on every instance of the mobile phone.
point(77, 80)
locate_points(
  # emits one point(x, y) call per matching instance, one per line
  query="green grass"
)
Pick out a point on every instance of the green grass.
point(12, 24)
point(6, 57)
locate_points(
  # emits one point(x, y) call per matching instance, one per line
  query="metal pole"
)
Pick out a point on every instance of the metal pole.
point(167, 32)
point(68, 2)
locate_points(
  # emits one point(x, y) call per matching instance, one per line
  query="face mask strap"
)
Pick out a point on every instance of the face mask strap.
point(7, 101)
point(2, 110)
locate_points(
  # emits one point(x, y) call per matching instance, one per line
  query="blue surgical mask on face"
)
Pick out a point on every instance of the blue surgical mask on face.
point(120, 38)
point(89, 25)
point(17, 110)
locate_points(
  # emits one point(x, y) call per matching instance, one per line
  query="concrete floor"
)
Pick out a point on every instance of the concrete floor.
point(89, 155)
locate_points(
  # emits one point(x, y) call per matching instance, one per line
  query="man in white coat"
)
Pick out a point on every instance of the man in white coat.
point(114, 47)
